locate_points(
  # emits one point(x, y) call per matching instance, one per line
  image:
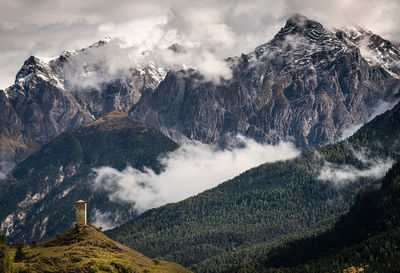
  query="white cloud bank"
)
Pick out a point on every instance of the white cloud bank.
point(381, 108)
point(189, 170)
point(341, 175)
point(106, 220)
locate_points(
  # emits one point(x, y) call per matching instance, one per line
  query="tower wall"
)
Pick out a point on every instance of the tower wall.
point(80, 208)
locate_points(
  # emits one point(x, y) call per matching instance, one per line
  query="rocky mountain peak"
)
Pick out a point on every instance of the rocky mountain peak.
point(177, 48)
point(302, 26)
point(31, 65)
point(375, 50)
point(301, 21)
point(100, 43)
point(51, 95)
point(306, 84)
point(303, 35)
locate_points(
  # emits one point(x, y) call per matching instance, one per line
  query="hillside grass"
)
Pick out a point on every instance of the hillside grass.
point(87, 249)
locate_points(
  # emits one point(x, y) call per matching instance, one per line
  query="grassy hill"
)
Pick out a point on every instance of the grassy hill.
point(262, 208)
point(47, 184)
point(86, 249)
point(367, 238)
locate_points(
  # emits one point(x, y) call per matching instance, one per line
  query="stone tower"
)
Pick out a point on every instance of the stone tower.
point(80, 208)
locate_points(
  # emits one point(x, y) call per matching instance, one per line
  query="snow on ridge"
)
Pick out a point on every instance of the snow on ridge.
point(46, 60)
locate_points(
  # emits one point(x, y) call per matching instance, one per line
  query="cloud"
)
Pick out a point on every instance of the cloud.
point(5, 168)
point(106, 220)
point(210, 30)
point(342, 174)
point(381, 108)
point(349, 131)
point(189, 170)
point(152, 37)
point(96, 65)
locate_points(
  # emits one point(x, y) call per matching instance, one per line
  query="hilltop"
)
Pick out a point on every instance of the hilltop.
point(87, 249)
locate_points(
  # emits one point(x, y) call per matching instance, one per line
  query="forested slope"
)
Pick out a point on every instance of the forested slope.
point(263, 207)
point(366, 238)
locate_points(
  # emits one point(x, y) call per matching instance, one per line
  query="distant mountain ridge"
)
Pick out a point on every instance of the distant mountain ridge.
point(50, 96)
point(308, 84)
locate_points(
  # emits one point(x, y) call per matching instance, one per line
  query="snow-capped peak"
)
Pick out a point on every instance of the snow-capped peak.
point(45, 60)
point(100, 43)
point(373, 48)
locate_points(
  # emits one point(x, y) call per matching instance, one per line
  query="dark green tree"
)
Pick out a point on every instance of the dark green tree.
point(5, 256)
point(19, 255)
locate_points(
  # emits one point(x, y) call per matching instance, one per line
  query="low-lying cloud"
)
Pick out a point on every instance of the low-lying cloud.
point(342, 174)
point(106, 220)
point(191, 169)
point(5, 168)
point(381, 108)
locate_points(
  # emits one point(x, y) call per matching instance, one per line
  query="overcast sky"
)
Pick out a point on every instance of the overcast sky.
point(216, 29)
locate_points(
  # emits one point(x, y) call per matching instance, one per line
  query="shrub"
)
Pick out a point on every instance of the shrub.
point(19, 255)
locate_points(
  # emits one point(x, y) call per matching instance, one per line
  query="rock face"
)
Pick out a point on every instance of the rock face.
point(307, 84)
point(49, 97)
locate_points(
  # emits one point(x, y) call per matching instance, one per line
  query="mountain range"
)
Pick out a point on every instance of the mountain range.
point(308, 84)
point(52, 96)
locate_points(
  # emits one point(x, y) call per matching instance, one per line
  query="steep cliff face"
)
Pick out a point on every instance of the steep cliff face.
point(51, 96)
point(307, 84)
point(35, 109)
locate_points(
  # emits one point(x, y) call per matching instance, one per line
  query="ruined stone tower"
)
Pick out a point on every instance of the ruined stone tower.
point(80, 208)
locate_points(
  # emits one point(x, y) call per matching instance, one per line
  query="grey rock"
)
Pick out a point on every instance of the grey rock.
point(307, 84)
point(42, 103)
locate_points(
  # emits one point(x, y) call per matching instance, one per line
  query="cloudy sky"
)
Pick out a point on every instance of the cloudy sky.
point(213, 29)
